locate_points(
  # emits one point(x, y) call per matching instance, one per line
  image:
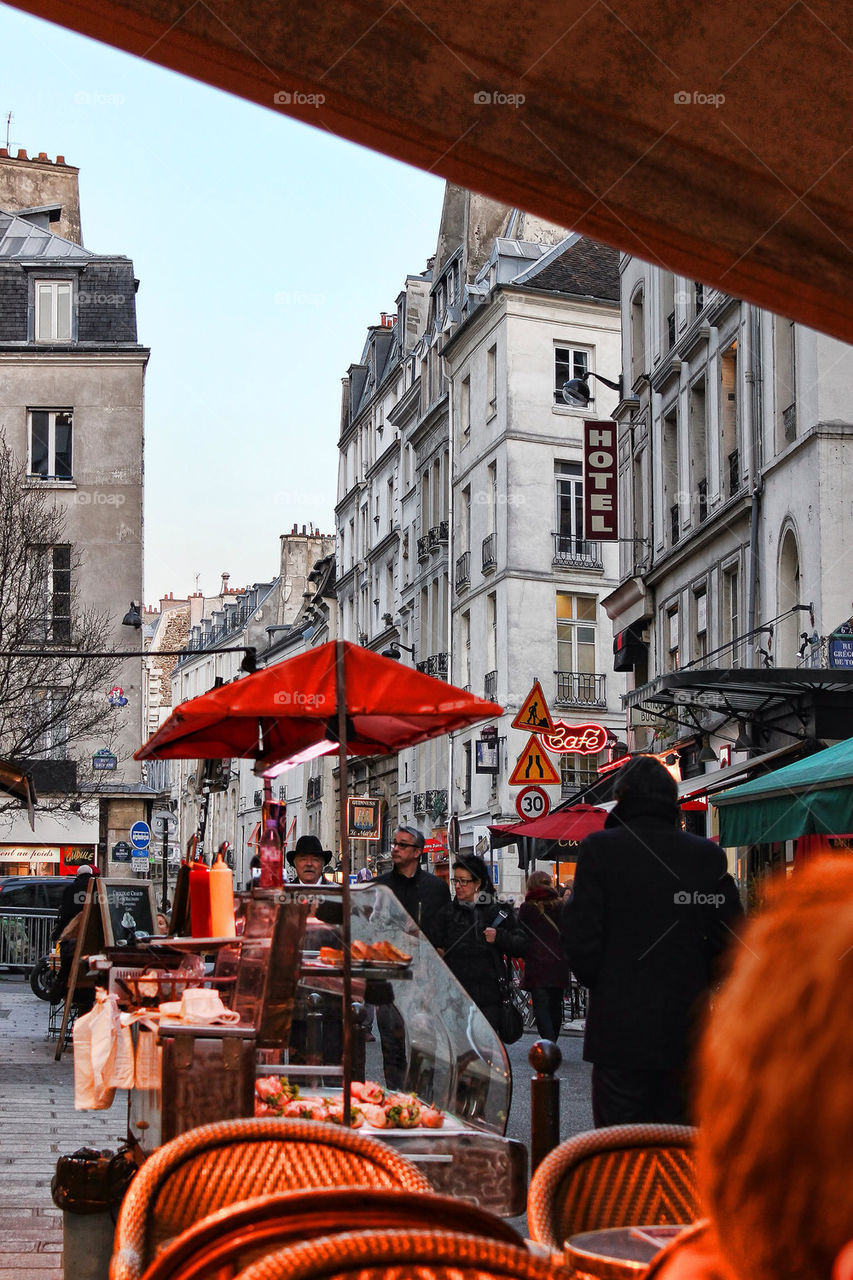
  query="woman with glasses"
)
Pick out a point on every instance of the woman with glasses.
point(475, 934)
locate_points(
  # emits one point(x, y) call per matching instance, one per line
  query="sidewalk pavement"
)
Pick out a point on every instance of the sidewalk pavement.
point(38, 1124)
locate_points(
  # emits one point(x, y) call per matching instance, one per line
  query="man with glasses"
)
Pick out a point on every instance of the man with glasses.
point(424, 896)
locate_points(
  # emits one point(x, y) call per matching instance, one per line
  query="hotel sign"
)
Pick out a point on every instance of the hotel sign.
point(600, 487)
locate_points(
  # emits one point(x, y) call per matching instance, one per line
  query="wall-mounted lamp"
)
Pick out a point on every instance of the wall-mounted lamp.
point(393, 650)
point(743, 740)
point(707, 754)
point(576, 391)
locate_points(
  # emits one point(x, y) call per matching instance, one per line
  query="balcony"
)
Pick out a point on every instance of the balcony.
point(576, 553)
point(433, 538)
point(436, 803)
point(463, 570)
point(702, 494)
point(315, 790)
point(581, 689)
point(420, 802)
point(423, 666)
point(423, 549)
point(674, 527)
point(490, 552)
point(257, 799)
point(444, 532)
point(734, 472)
point(490, 685)
point(436, 665)
point(670, 330)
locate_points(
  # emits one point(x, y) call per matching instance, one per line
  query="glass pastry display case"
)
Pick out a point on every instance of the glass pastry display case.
point(430, 1075)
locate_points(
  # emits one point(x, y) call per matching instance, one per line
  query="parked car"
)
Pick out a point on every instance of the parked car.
point(28, 907)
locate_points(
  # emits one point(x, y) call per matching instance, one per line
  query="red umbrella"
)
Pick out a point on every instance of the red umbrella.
point(564, 824)
point(288, 712)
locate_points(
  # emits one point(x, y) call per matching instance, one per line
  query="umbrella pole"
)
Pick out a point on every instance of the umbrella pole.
point(346, 931)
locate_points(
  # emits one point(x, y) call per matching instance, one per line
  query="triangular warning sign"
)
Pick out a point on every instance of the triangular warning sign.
point(534, 765)
point(533, 713)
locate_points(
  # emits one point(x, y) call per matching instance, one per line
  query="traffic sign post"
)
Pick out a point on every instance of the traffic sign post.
point(533, 714)
point(140, 835)
point(534, 765)
point(532, 802)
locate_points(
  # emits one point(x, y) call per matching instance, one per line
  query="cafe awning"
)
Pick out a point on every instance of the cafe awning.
point(808, 797)
point(713, 140)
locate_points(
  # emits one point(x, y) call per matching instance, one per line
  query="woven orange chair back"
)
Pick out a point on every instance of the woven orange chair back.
point(403, 1255)
point(627, 1175)
point(219, 1164)
point(232, 1238)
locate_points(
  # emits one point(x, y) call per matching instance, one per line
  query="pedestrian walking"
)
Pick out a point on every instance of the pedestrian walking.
point(477, 933)
point(423, 896)
point(546, 970)
point(652, 912)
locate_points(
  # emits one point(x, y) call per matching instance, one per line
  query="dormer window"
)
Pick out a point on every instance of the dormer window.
point(53, 310)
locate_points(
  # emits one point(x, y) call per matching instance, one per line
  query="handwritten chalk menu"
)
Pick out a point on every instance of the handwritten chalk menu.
point(127, 910)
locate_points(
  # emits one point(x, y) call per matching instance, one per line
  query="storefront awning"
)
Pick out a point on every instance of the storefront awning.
point(29, 853)
point(808, 797)
point(709, 783)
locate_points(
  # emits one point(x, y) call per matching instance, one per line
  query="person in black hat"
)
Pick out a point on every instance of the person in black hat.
point(309, 859)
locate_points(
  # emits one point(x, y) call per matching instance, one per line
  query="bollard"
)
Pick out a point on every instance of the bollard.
point(545, 1058)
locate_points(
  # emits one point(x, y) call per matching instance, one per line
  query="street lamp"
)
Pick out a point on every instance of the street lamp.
point(576, 391)
point(393, 650)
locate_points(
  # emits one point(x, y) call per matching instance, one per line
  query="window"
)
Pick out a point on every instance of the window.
point(698, 452)
point(48, 717)
point(492, 380)
point(465, 410)
point(50, 436)
point(576, 617)
point(672, 639)
point(700, 628)
point(570, 362)
point(466, 786)
point(52, 621)
point(669, 459)
point(576, 772)
point(729, 416)
point(731, 614)
point(466, 650)
point(53, 310)
point(638, 336)
point(569, 482)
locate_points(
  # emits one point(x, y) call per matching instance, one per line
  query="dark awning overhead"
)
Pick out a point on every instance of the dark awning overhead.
point(713, 141)
point(811, 796)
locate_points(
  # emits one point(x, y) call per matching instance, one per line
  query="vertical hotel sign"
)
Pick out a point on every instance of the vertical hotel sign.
point(600, 481)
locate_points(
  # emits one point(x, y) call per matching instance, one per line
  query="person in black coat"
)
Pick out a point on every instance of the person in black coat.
point(546, 970)
point(475, 933)
point(652, 912)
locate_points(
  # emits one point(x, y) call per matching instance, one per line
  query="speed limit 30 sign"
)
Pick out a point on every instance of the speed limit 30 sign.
point(532, 802)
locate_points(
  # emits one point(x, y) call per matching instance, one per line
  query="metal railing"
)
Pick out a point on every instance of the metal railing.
point(576, 553)
point(490, 551)
point(490, 685)
point(463, 570)
point(734, 471)
point(423, 548)
point(581, 689)
point(25, 938)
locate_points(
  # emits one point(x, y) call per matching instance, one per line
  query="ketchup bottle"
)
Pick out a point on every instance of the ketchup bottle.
point(270, 855)
point(200, 925)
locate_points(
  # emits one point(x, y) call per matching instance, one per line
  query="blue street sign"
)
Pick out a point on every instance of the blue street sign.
point(140, 835)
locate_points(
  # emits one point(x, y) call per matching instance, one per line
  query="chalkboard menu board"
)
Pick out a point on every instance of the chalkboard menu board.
point(127, 910)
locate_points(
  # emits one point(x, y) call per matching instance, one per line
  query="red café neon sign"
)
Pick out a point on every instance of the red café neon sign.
point(579, 739)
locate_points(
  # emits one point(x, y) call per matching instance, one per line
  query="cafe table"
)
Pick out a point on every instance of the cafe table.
point(617, 1252)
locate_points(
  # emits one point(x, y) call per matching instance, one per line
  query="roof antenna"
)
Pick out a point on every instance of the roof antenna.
point(9, 118)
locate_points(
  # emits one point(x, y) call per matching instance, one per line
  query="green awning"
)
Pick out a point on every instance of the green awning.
point(811, 796)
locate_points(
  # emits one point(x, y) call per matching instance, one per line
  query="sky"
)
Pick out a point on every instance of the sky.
point(264, 248)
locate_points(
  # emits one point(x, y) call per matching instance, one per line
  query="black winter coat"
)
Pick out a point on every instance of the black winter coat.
point(423, 895)
point(545, 963)
point(479, 965)
point(652, 911)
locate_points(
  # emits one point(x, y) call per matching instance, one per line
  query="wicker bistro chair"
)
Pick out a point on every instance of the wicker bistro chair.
point(403, 1255)
point(227, 1241)
point(220, 1164)
point(626, 1175)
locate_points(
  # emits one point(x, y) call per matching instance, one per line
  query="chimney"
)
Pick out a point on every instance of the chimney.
point(223, 590)
point(32, 184)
